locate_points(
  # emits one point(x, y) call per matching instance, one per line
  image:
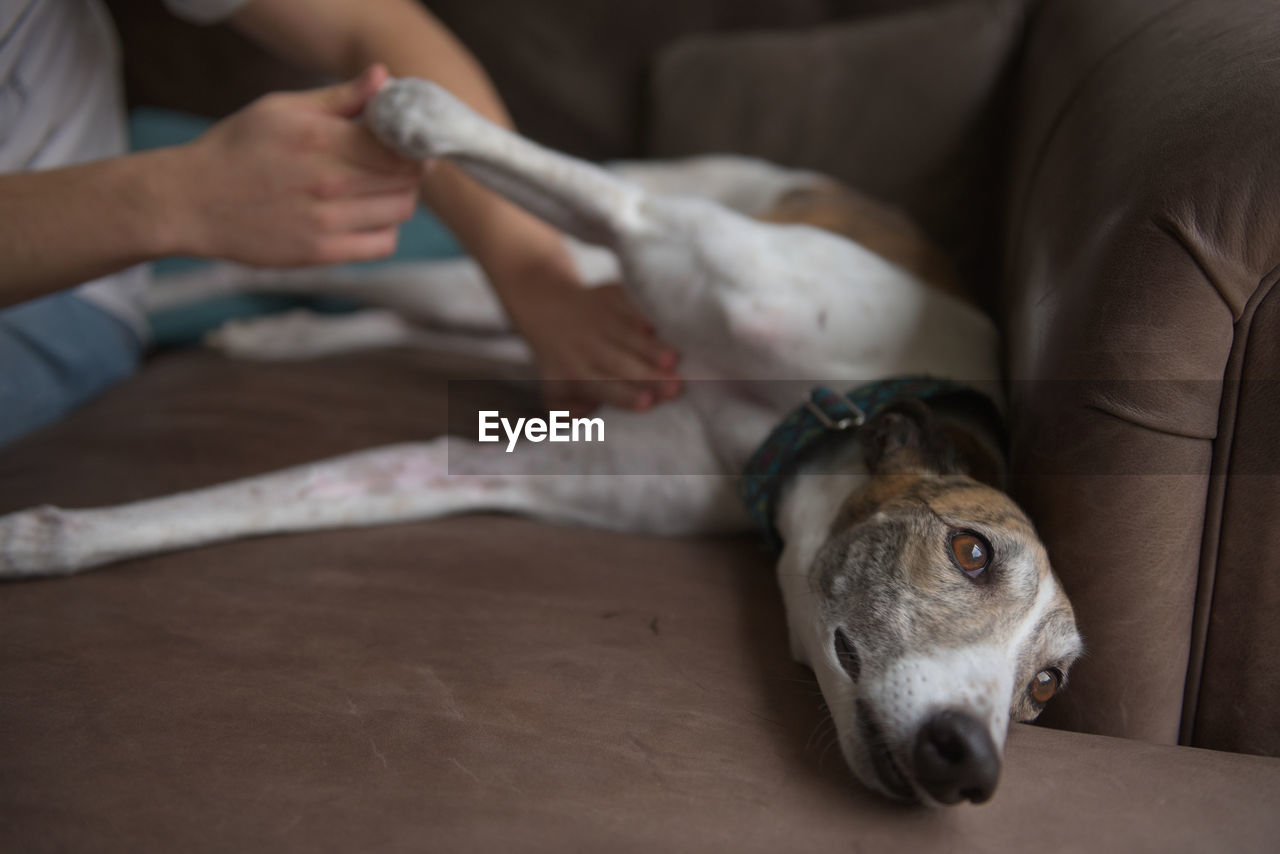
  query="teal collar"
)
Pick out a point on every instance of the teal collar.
point(823, 415)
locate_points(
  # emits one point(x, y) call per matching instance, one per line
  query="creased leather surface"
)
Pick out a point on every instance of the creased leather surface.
point(573, 73)
point(1144, 217)
point(1235, 704)
point(460, 685)
point(898, 106)
point(474, 684)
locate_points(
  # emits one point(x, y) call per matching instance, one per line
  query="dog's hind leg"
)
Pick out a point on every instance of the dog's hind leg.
point(570, 483)
point(747, 185)
point(699, 272)
point(423, 120)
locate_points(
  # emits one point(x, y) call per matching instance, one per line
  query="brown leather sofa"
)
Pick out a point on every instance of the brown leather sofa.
point(1104, 168)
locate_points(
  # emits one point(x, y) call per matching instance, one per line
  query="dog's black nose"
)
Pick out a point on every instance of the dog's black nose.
point(955, 759)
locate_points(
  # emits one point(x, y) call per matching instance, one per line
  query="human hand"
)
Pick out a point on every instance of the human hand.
point(292, 180)
point(592, 345)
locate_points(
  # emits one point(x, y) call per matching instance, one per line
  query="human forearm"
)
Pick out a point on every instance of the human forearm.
point(287, 181)
point(576, 333)
point(519, 253)
point(340, 36)
point(64, 226)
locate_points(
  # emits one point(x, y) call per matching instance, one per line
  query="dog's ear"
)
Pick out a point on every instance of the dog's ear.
point(908, 437)
point(903, 438)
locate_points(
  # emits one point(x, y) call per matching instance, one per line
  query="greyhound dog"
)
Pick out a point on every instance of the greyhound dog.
point(914, 588)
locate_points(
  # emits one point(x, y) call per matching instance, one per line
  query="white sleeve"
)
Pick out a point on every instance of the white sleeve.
point(203, 11)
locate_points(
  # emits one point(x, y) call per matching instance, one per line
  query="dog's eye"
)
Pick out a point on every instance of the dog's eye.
point(970, 552)
point(1045, 684)
point(847, 656)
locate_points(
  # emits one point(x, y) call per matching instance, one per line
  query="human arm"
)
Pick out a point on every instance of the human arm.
point(576, 333)
point(114, 208)
point(288, 181)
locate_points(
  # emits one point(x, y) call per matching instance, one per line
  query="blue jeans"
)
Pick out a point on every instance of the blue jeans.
point(55, 354)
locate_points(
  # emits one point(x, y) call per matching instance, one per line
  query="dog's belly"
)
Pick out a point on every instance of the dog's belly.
point(750, 301)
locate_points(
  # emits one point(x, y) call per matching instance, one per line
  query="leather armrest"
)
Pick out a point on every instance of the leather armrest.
point(1142, 240)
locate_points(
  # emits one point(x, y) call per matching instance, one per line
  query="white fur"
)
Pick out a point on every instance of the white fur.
point(743, 301)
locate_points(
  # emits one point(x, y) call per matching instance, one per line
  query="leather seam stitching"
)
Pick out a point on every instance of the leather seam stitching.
point(1215, 504)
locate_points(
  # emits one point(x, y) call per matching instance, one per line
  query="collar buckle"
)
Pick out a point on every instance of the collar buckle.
point(814, 403)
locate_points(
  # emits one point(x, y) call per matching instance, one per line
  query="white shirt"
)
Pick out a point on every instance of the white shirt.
point(62, 102)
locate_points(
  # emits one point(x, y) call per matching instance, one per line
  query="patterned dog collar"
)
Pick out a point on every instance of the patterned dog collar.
point(823, 414)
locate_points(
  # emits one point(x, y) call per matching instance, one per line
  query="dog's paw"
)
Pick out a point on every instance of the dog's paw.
point(302, 334)
point(278, 338)
point(417, 118)
point(33, 542)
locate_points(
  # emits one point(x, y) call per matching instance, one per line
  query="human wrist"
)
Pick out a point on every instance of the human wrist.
point(167, 205)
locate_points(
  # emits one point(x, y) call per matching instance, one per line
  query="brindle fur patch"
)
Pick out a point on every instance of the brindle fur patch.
point(882, 229)
point(887, 577)
point(1055, 631)
point(891, 544)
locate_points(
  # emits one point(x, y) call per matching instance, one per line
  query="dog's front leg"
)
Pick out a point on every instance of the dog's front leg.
point(577, 484)
point(388, 484)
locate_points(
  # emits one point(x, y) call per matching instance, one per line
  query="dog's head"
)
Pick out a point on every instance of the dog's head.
point(939, 618)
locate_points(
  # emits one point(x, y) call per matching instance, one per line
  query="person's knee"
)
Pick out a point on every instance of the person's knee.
point(57, 353)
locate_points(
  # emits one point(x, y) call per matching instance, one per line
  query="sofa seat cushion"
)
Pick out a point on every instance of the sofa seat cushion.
point(478, 683)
